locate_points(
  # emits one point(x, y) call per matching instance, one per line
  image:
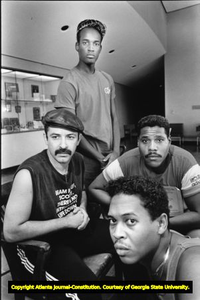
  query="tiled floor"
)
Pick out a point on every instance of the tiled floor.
point(6, 277)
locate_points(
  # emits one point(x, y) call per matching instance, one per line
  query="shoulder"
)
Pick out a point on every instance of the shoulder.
point(70, 77)
point(184, 162)
point(132, 155)
point(70, 74)
point(189, 262)
point(36, 159)
point(106, 75)
point(188, 269)
point(30, 168)
point(182, 154)
point(124, 165)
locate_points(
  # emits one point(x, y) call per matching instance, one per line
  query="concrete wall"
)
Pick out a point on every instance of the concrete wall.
point(182, 68)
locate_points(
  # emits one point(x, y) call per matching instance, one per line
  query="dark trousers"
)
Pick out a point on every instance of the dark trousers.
point(68, 247)
point(92, 170)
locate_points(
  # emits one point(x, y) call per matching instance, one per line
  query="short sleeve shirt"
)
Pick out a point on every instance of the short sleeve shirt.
point(90, 96)
point(181, 170)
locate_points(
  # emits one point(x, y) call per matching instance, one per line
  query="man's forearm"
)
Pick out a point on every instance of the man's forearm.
point(185, 222)
point(86, 149)
point(32, 229)
point(100, 196)
point(84, 200)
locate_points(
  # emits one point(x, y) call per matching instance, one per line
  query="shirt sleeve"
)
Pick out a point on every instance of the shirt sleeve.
point(66, 96)
point(113, 171)
point(191, 181)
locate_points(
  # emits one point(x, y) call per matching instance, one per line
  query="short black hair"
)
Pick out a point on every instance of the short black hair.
point(151, 193)
point(153, 120)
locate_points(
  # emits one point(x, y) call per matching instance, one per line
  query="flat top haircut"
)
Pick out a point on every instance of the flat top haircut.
point(151, 193)
point(153, 120)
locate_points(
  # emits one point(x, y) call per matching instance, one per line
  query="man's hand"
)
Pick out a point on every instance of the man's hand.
point(75, 219)
point(110, 158)
point(85, 216)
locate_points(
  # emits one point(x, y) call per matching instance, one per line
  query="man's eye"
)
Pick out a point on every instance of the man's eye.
point(144, 141)
point(97, 44)
point(131, 222)
point(112, 221)
point(159, 140)
point(54, 137)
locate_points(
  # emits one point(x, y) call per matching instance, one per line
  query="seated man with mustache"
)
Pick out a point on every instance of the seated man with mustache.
point(156, 158)
point(48, 202)
point(139, 215)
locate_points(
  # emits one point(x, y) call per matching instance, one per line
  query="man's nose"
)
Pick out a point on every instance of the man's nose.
point(91, 47)
point(63, 143)
point(118, 232)
point(152, 145)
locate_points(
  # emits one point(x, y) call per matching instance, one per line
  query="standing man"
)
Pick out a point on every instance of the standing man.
point(173, 166)
point(90, 94)
point(139, 214)
point(48, 202)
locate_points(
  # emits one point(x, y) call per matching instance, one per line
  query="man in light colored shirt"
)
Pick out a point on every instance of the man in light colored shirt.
point(90, 94)
point(156, 158)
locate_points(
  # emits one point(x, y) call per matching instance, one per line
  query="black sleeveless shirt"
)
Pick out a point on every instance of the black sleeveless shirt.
point(54, 194)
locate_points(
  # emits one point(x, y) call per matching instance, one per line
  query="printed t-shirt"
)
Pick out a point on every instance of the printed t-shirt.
point(90, 96)
point(54, 195)
point(180, 170)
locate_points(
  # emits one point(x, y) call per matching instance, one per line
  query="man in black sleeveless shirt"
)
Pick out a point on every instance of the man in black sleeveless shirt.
point(48, 202)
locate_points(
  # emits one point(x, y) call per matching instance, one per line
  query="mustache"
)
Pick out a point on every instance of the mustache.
point(63, 151)
point(153, 153)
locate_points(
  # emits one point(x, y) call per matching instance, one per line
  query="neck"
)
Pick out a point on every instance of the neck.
point(87, 68)
point(161, 257)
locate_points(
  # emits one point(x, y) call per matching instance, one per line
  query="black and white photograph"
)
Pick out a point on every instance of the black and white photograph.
point(100, 174)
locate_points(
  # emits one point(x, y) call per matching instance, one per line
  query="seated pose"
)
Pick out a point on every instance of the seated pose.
point(156, 158)
point(48, 202)
point(138, 215)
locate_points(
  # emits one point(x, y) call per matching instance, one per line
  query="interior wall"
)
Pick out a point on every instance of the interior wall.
point(182, 68)
point(123, 107)
point(123, 93)
point(154, 15)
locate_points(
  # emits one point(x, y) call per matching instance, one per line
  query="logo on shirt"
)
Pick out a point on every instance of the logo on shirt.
point(195, 180)
point(67, 201)
point(107, 90)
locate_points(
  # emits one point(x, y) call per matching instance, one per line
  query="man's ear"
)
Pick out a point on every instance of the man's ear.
point(79, 139)
point(45, 138)
point(100, 48)
point(169, 138)
point(162, 223)
point(77, 46)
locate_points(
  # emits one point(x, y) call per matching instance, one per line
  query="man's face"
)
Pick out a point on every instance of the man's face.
point(89, 46)
point(133, 232)
point(61, 144)
point(154, 145)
